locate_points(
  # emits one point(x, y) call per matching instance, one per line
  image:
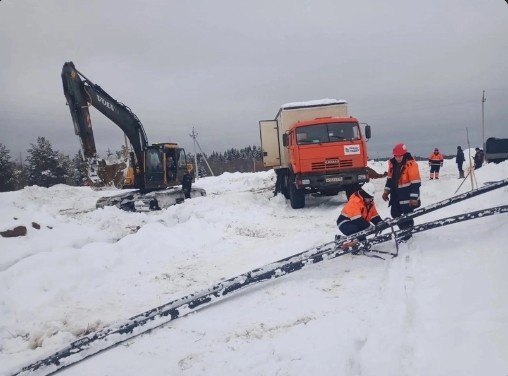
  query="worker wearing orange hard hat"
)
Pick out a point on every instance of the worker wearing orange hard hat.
point(402, 188)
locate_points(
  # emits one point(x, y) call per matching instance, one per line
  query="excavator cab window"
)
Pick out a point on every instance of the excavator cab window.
point(171, 166)
point(182, 160)
point(153, 161)
point(176, 165)
point(154, 172)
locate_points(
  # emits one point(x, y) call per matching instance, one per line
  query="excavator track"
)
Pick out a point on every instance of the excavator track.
point(137, 201)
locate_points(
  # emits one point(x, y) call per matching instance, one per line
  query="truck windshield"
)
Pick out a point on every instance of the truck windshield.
point(327, 132)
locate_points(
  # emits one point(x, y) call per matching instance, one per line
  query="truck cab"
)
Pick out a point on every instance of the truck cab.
point(326, 153)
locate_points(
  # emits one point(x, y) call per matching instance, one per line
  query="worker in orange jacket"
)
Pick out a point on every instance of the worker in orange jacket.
point(402, 188)
point(435, 163)
point(359, 212)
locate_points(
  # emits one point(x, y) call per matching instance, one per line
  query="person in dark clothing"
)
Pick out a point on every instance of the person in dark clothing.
point(170, 168)
point(459, 159)
point(187, 184)
point(402, 188)
point(478, 158)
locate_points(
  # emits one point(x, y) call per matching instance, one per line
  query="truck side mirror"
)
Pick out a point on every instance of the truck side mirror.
point(285, 141)
point(368, 133)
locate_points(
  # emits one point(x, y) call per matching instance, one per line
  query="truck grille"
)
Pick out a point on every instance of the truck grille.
point(332, 163)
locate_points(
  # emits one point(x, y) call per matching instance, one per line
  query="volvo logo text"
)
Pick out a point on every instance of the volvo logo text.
point(106, 103)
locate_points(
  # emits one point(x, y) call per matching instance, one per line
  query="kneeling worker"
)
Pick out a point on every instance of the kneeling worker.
point(359, 212)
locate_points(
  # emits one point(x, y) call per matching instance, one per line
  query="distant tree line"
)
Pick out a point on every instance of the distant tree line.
point(248, 159)
point(46, 167)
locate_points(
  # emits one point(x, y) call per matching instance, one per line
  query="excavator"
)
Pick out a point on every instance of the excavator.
point(152, 173)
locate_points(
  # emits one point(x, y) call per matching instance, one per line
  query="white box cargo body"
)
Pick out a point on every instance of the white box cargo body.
point(271, 131)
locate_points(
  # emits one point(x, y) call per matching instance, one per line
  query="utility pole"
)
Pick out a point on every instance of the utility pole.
point(483, 120)
point(194, 136)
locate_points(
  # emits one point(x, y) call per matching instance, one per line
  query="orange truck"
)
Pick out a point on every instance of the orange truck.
point(315, 147)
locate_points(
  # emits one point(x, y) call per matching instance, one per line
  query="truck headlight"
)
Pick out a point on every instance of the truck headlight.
point(362, 177)
point(300, 182)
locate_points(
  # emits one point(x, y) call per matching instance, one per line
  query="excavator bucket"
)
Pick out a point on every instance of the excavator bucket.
point(101, 174)
point(113, 174)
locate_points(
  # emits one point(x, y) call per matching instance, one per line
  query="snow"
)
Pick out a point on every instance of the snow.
point(440, 308)
point(315, 102)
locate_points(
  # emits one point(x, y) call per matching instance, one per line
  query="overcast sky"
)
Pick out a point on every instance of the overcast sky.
point(414, 70)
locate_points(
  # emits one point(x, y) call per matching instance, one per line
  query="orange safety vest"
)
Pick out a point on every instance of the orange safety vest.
point(436, 159)
point(357, 208)
point(408, 184)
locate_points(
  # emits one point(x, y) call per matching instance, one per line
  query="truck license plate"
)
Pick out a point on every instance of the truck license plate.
point(332, 180)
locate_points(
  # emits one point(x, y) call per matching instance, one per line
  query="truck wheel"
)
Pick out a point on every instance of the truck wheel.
point(285, 187)
point(352, 189)
point(296, 197)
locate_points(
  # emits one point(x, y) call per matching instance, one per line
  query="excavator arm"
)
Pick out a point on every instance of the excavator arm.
point(78, 105)
point(80, 94)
